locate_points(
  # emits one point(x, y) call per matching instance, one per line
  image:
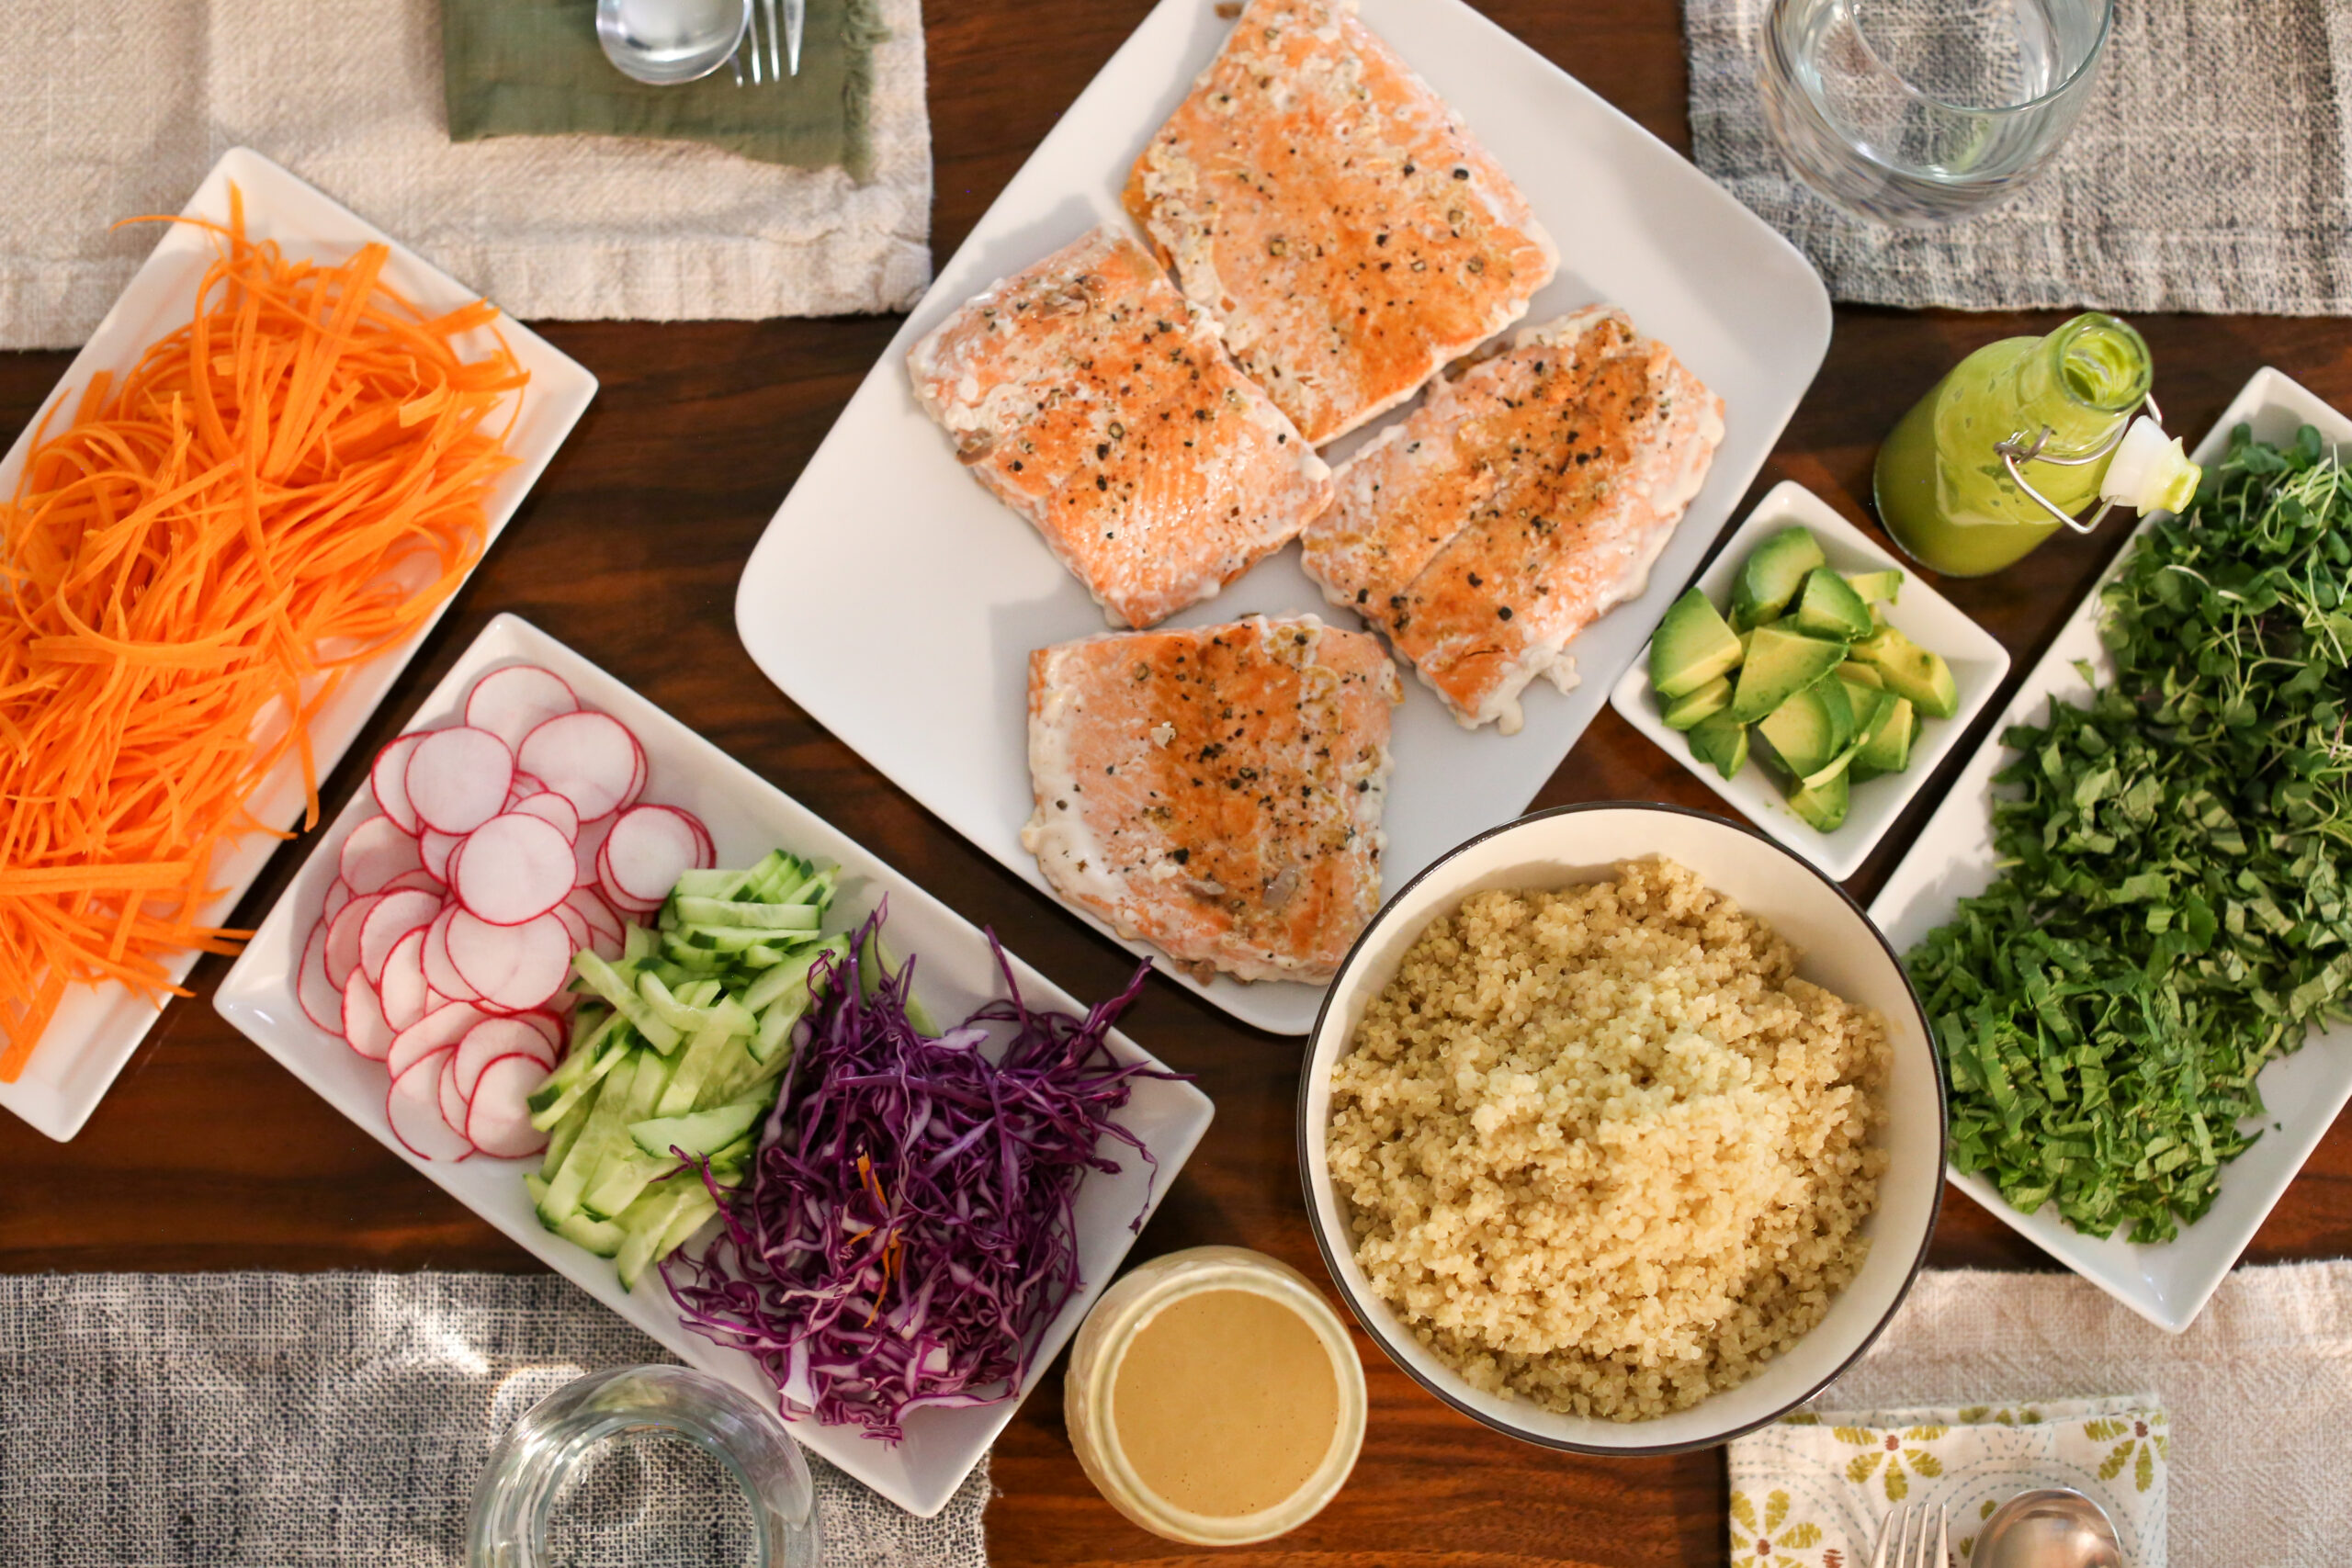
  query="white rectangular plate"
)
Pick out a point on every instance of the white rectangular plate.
point(2168, 1283)
point(747, 817)
point(97, 1027)
point(1977, 658)
point(897, 601)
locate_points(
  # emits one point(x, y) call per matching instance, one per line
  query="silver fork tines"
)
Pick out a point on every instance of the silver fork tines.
point(779, 55)
point(1908, 1552)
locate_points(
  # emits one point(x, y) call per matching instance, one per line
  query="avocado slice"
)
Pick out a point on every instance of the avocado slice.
point(1854, 673)
point(1828, 608)
point(1688, 710)
point(1771, 576)
point(1879, 587)
point(1868, 703)
point(1824, 807)
point(1809, 728)
point(1721, 742)
point(1692, 647)
point(1909, 670)
point(1886, 749)
point(1779, 665)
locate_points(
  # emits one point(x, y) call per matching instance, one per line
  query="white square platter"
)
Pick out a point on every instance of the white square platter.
point(956, 973)
point(97, 1027)
point(1977, 658)
point(897, 602)
point(2168, 1284)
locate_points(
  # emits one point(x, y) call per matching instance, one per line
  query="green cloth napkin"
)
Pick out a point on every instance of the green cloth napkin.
point(533, 68)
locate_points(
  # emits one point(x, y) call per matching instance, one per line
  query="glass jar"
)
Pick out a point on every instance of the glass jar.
point(1942, 485)
point(513, 1504)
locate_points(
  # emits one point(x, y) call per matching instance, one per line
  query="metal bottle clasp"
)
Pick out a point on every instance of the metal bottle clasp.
point(2016, 449)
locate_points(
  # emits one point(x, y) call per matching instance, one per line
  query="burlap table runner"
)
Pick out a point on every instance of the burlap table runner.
point(338, 1421)
point(2208, 173)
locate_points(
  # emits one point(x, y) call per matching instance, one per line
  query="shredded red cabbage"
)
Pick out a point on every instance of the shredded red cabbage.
point(905, 1232)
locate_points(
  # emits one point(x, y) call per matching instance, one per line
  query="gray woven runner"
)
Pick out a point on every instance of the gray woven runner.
point(294, 1420)
point(2211, 171)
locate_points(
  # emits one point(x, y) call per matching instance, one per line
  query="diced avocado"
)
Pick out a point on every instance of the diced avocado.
point(1824, 806)
point(1887, 748)
point(1828, 608)
point(1721, 743)
point(1780, 664)
point(1854, 673)
point(1865, 701)
point(1908, 670)
point(1687, 710)
point(1692, 647)
point(1771, 576)
point(1804, 731)
point(1879, 587)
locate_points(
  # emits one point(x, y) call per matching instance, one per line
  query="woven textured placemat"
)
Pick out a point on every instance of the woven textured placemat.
point(341, 1421)
point(2208, 172)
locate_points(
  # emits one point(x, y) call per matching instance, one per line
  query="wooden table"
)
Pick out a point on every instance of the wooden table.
point(208, 1156)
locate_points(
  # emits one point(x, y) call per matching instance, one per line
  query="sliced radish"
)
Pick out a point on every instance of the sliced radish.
point(435, 850)
point(514, 968)
point(394, 916)
point(420, 879)
point(342, 938)
point(338, 895)
point(496, 1037)
point(497, 1117)
point(513, 702)
point(435, 1000)
point(403, 988)
point(636, 907)
point(553, 808)
point(587, 847)
point(648, 849)
point(592, 908)
point(453, 1100)
point(523, 788)
point(440, 974)
point(388, 779)
point(576, 925)
point(514, 868)
point(321, 1003)
point(551, 1027)
point(458, 778)
point(439, 1030)
point(364, 1029)
point(590, 759)
point(412, 1105)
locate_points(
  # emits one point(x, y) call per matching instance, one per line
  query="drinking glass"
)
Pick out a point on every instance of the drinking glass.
point(1918, 112)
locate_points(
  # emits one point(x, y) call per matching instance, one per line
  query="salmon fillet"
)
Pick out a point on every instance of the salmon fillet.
point(1522, 499)
point(1089, 397)
point(1319, 200)
point(1216, 791)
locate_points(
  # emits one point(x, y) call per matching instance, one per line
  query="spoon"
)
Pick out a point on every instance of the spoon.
point(666, 41)
point(2055, 1527)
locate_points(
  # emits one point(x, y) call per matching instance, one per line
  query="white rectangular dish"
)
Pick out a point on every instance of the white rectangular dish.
point(97, 1027)
point(1978, 665)
point(2168, 1284)
point(747, 817)
point(897, 602)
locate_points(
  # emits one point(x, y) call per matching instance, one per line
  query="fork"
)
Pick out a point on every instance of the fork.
point(772, 68)
point(1907, 1553)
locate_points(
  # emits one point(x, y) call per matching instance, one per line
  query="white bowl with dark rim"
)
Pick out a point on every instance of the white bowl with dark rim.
point(1840, 949)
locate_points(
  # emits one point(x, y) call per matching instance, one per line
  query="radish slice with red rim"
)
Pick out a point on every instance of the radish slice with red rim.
point(497, 1117)
point(576, 925)
point(648, 849)
point(590, 759)
point(513, 968)
point(514, 868)
point(402, 990)
point(435, 850)
point(338, 895)
point(453, 1100)
point(547, 803)
point(595, 912)
point(496, 1037)
point(388, 779)
point(458, 778)
point(394, 916)
point(437, 1030)
point(412, 1105)
point(636, 908)
point(550, 1026)
point(375, 852)
point(364, 1029)
point(321, 1003)
point(587, 848)
point(342, 938)
point(440, 974)
point(513, 702)
point(422, 880)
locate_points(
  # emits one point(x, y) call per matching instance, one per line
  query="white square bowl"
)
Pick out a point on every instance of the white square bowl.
point(2168, 1282)
point(1977, 658)
point(956, 972)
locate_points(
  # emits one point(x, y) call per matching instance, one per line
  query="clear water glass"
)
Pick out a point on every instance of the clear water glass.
point(623, 1465)
point(1918, 112)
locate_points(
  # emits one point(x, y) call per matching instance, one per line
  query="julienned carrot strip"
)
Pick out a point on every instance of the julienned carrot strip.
point(274, 494)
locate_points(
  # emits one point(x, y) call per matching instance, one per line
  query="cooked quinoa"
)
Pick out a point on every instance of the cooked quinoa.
point(1604, 1149)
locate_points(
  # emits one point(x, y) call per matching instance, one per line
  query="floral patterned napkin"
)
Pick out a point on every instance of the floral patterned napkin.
point(1813, 1490)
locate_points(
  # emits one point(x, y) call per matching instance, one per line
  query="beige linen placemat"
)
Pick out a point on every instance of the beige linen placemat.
point(119, 107)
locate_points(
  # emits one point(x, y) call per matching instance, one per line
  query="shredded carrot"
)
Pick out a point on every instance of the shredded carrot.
point(278, 493)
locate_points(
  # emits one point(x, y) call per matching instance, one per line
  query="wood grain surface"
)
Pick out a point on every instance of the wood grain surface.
point(208, 1156)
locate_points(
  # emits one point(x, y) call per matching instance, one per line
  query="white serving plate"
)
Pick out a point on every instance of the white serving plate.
point(97, 1027)
point(1977, 658)
point(897, 602)
point(747, 817)
point(2168, 1284)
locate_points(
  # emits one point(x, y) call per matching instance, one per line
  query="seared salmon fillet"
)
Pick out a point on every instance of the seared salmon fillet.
point(1522, 499)
point(1319, 200)
point(1095, 402)
point(1216, 791)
